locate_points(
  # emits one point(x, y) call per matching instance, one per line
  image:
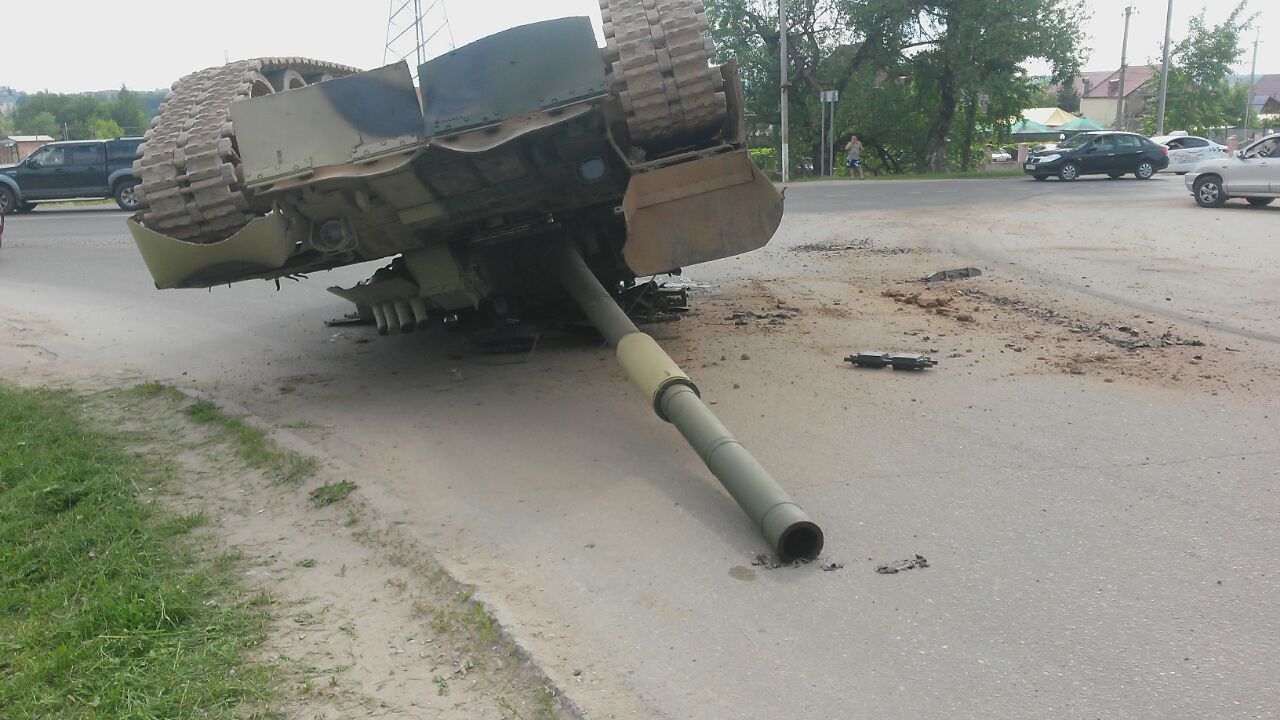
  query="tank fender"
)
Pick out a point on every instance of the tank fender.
point(710, 208)
point(261, 246)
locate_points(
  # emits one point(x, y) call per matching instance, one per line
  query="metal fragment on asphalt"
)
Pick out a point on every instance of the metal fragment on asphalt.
point(915, 561)
point(958, 273)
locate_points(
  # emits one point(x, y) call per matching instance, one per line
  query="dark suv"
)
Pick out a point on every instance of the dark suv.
point(72, 171)
point(1099, 153)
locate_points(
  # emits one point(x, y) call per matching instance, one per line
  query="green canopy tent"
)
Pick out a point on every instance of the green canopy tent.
point(1081, 125)
point(1028, 130)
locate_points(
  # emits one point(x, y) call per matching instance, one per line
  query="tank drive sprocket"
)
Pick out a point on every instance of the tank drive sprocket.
point(658, 63)
point(189, 164)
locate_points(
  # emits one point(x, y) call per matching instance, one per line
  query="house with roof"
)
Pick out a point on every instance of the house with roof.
point(1101, 100)
point(1266, 95)
point(16, 148)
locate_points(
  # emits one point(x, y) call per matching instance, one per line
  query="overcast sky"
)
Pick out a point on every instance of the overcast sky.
point(148, 44)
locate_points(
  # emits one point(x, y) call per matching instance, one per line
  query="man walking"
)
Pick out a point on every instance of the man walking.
point(853, 156)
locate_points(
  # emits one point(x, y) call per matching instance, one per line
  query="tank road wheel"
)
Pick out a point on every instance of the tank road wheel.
point(658, 64)
point(188, 164)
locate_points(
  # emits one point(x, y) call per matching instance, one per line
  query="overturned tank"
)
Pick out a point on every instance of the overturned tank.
point(525, 168)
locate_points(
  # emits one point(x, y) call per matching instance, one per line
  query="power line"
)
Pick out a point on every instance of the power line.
point(416, 34)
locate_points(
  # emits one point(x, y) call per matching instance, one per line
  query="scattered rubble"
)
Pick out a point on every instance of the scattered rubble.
point(864, 245)
point(764, 317)
point(915, 561)
point(1123, 336)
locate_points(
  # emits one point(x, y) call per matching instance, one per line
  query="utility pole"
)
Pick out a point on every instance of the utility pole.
point(1124, 68)
point(1164, 70)
point(1248, 99)
point(786, 140)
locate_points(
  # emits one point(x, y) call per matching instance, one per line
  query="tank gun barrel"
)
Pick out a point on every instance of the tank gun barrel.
point(674, 397)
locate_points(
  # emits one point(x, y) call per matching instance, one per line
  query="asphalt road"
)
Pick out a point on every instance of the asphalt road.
point(1101, 544)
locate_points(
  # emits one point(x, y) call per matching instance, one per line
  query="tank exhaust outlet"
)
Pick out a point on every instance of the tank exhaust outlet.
point(674, 397)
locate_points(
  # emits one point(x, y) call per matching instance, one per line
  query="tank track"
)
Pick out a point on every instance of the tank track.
point(189, 164)
point(658, 64)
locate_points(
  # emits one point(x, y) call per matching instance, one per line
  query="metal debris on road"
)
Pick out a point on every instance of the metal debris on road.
point(766, 561)
point(958, 273)
point(831, 567)
point(916, 561)
point(898, 361)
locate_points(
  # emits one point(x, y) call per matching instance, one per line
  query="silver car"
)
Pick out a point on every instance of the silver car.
point(1253, 174)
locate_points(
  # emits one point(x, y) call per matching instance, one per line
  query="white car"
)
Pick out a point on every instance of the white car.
point(1187, 151)
point(1000, 156)
point(1253, 174)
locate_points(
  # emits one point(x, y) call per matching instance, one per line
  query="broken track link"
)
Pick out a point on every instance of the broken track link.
point(188, 163)
point(658, 63)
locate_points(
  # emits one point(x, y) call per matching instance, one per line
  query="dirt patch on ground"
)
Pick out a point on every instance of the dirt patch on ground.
point(865, 246)
point(1062, 336)
point(367, 623)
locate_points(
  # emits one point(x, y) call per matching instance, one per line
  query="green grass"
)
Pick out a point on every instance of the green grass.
point(330, 493)
point(251, 444)
point(104, 613)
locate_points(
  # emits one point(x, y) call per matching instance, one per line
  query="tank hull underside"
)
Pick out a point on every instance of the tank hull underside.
point(464, 180)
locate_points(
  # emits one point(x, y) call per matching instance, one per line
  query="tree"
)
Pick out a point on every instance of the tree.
point(84, 116)
point(906, 69)
point(102, 128)
point(1199, 98)
point(1068, 99)
point(127, 113)
point(979, 46)
point(43, 123)
point(828, 41)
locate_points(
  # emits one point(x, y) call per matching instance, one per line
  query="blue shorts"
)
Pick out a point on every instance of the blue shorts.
point(852, 163)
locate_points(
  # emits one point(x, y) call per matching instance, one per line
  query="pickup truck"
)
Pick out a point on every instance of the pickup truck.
point(74, 170)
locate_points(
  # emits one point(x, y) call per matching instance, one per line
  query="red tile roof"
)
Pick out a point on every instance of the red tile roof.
point(1109, 86)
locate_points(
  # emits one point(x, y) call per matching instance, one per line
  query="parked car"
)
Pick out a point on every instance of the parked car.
point(1252, 173)
point(1000, 155)
point(1187, 151)
point(1099, 153)
point(75, 170)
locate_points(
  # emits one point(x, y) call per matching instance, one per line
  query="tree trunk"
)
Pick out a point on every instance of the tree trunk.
point(886, 160)
point(970, 117)
point(936, 140)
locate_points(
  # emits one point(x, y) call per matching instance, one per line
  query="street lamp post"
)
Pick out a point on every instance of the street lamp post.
point(786, 141)
point(1124, 68)
point(1164, 71)
point(1248, 98)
